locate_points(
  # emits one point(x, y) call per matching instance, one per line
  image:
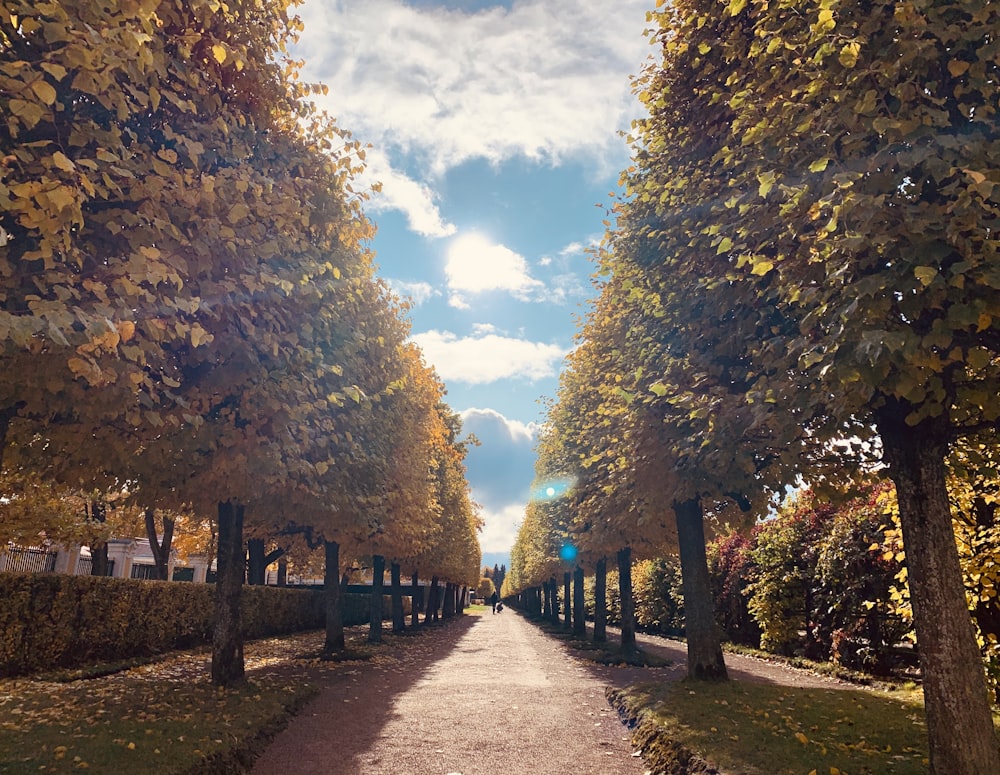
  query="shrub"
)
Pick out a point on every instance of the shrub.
point(52, 621)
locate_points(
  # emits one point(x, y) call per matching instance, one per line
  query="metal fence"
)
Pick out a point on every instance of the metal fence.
point(145, 572)
point(16, 559)
point(85, 566)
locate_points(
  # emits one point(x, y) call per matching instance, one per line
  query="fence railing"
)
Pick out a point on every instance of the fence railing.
point(85, 566)
point(145, 572)
point(17, 559)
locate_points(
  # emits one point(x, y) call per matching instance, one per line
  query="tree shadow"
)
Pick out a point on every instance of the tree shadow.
point(339, 731)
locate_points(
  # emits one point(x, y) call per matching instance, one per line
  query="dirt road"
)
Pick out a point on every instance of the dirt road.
point(487, 695)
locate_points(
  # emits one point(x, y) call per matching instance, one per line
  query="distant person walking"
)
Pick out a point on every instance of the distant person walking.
point(494, 599)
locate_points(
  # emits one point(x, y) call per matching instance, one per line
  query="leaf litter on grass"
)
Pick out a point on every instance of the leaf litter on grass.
point(164, 716)
point(757, 728)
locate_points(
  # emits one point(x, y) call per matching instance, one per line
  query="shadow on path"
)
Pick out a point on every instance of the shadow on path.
point(333, 733)
point(487, 694)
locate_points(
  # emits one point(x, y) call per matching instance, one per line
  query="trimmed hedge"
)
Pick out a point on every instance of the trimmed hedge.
point(50, 621)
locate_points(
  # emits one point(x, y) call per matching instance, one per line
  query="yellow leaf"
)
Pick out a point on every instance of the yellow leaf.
point(925, 274)
point(819, 165)
point(29, 112)
point(63, 162)
point(766, 180)
point(238, 212)
point(849, 55)
point(56, 71)
point(957, 67)
point(801, 738)
point(44, 91)
point(126, 330)
point(150, 252)
point(199, 335)
point(762, 267)
point(62, 197)
point(219, 52)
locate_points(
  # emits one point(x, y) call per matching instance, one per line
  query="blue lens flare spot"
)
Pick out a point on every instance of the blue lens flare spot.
point(568, 553)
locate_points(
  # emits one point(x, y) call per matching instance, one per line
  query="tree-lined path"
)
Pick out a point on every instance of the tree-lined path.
point(489, 694)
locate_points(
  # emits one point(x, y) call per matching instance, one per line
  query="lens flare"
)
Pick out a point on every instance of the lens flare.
point(568, 552)
point(552, 489)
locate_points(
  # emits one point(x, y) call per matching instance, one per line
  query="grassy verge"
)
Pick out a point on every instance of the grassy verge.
point(165, 717)
point(761, 728)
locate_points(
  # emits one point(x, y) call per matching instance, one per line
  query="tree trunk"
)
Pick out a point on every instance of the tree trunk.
point(256, 570)
point(378, 590)
point(704, 638)
point(601, 601)
point(396, 586)
point(227, 638)
point(335, 642)
point(415, 603)
point(546, 600)
point(959, 724)
point(579, 606)
point(554, 592)
point(282, 572)
point(99, 563)
point(627, 601)
point(449, 600)
point(431, 612)
point(159, 548)
point(567, 599)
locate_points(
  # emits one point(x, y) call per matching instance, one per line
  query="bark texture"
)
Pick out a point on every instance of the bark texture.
point(396, 589)
point(627, 601)
point(159, 547)
point(227, 638)
point(579, 609)
point(567, 598)
point(704, 638)
point(335, 642)
point(959, 724)
point(601, 601)
point(378, 590)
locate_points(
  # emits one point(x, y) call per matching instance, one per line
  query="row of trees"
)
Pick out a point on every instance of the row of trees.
point(188, 309)
point(801, 284)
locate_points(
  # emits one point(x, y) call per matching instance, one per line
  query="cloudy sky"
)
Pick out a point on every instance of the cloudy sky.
point(494, 130)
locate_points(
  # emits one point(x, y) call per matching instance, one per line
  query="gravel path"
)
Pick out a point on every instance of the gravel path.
point(487, 695)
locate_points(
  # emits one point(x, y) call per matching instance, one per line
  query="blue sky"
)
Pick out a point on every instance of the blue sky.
point(495, 135)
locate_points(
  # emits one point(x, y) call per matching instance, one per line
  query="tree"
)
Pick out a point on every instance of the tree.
point(837, 199)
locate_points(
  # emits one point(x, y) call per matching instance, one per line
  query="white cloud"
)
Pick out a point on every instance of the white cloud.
point(476, 265)
point(400, 192)
point(417, 292)
point(500, 471)
point(500, 527)
point(487, 358)
point(546, 80)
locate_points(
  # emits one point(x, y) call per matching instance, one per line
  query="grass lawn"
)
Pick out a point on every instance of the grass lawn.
point(756, 728)
point(165, 717)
